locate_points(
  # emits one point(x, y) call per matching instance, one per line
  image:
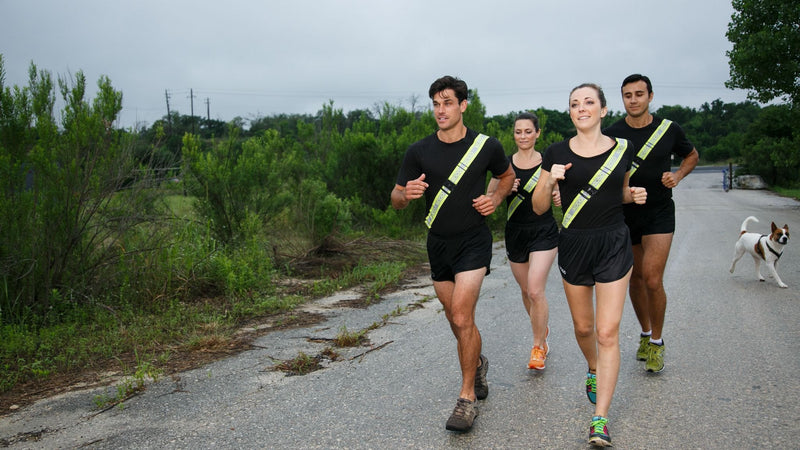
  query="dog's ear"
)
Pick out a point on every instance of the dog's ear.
point(774, 227)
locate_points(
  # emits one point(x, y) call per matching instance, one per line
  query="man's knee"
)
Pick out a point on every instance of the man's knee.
point(653, 279)
point(461, 321)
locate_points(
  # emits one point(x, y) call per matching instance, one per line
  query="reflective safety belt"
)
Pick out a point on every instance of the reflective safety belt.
point(595, 183)
point(651, 142)
point(527, 188)
point(454, 177)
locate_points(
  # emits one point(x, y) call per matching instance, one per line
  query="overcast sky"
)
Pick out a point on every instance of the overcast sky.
point(252, 58)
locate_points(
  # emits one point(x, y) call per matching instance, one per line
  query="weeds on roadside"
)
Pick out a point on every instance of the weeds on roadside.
point(300, 365)
point(349, 339)
point(131, 385)
point(216, 295)
point(330, 353)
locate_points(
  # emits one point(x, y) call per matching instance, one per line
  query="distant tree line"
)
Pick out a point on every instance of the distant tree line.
point(758, 138)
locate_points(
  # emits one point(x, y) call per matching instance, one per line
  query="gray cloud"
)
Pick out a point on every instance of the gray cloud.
point(251, 58)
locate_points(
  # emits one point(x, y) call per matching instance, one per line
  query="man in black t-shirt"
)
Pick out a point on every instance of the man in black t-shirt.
point(652, 225)
point(459, 241)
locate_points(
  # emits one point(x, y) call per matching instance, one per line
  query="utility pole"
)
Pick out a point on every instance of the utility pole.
point(208, 109)
point(191, 97)
point(169, 116)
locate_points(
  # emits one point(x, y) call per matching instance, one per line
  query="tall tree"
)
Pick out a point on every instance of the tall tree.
point(765, 57)
point(476, 113)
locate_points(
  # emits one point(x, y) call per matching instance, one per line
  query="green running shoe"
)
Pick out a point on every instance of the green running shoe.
point(655, 358)
point(591, 387)
point(598, 432)
point(641, 352)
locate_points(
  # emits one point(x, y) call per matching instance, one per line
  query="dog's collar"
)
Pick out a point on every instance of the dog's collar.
point(771, 250)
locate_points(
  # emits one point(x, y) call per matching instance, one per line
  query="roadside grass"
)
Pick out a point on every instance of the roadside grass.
point(786, 192)
point(133, 384)
point(95, 336)
point(198, 305)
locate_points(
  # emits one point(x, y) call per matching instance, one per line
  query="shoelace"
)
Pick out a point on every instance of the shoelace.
point(461, 407)
point(599, 425)
point(538, 353)
point(479, 374)
point(592, 383)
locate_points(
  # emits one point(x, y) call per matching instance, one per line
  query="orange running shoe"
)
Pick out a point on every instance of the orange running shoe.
point(539, 354)
point(538, 357)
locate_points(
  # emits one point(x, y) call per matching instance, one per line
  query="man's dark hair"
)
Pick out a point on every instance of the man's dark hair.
point(528, 116)
point(447, 82)
point(638, 77)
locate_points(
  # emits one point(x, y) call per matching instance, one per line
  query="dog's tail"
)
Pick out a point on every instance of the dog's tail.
point(743, 230)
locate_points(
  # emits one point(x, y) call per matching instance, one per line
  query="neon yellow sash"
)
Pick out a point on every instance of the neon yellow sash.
point(651, 142)
point(527, 188)
point(455, 177)
point(595, 183)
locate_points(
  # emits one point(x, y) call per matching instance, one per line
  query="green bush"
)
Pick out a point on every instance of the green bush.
point(242, 269)
point(319, 213)
point(72, 194)
point(232, 180)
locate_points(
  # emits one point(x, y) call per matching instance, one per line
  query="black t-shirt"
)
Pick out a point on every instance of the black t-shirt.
point(604, 208)
point(524, 213)
point(437, 159)
point(648, 175)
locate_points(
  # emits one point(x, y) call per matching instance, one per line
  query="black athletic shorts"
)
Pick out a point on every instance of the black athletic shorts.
point(589, 256)
point(646, 219)
point(522, 239)
point(466, 251)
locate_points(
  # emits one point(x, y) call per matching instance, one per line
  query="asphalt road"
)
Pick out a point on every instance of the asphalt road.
point(731, 377)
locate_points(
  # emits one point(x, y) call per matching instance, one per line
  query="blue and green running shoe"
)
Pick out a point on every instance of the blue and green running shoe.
point(598, 432)
point(591, 387)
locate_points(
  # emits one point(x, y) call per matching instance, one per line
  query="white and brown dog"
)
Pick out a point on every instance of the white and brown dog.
point(766, 248)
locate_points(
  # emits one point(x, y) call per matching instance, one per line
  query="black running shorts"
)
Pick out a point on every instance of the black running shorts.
point(586, 257)
point(466, 251)
point(646, 219)
point(522, 239)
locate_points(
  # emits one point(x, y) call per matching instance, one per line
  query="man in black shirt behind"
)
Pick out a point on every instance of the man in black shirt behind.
point(652, 225)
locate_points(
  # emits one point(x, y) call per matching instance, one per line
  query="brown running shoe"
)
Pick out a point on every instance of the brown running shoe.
point(481, 385)
point(463, 416)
